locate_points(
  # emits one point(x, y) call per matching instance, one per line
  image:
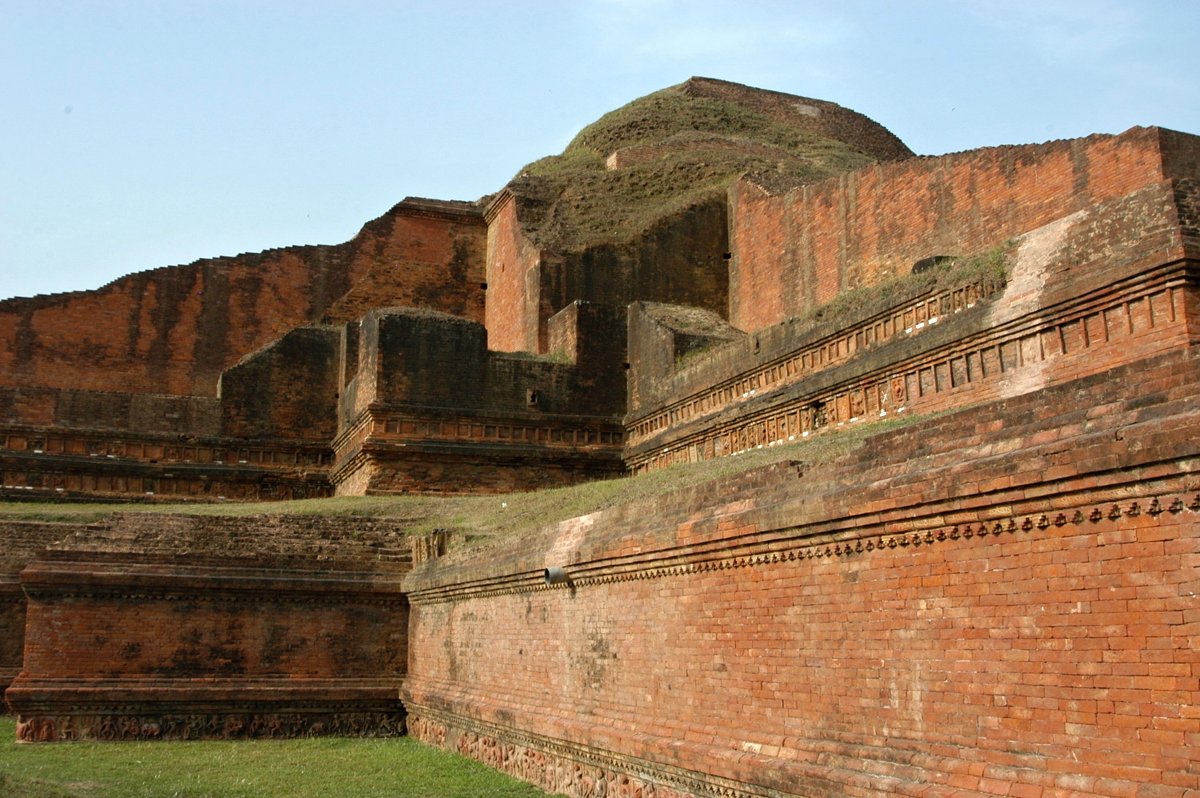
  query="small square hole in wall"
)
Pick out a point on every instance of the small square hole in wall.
point(532, 398)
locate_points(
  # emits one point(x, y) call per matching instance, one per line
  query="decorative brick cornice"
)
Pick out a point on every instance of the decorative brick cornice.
point(81, 578)
point(933, 524)
point(776, 406)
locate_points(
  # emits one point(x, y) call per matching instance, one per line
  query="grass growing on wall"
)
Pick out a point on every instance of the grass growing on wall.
point(692, 149)
point(323, 766)
point(495, 515)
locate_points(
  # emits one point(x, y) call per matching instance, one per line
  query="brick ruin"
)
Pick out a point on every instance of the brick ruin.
point(992, 593)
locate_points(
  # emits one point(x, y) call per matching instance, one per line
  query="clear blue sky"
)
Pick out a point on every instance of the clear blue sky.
point(145, 133)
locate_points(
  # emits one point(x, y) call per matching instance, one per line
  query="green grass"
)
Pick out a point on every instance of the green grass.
point(324, 766)
point(990, 266)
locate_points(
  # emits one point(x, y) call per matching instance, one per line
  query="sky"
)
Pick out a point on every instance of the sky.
point(136, 134)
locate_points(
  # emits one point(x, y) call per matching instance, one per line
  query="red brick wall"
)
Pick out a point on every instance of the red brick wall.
point(432, 255)
point(430, 409)
point(174, 330)
point(20, 542)
point(288, 390)
point(1106, 284)
point(680, 259)
point(294, 625)
point(149, 627)
point(512, 288)
point(996, 602)
point(796, 251)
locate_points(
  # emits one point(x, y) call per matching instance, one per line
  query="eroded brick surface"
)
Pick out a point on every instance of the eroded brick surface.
point(995, 599)
point(151, 627)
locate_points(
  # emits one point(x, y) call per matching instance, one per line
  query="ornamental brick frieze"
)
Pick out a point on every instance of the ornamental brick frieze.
point(249, 597)
point(160, 449)
point(961, 371)
point(541, 432)
point(83, 578)
point(129, 724)
point(832, 350)
point(774, 547)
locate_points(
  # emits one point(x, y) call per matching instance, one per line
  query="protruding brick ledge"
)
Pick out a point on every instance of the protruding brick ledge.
point(50, 711)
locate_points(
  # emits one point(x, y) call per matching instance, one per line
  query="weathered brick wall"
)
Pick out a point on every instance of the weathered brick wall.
point(592, 337)
point(512, 306)
point(675, 351)
point(174, 627)
point(796, 251)
point(432, 254)
point(430, 409)
point(1105, 284)
point(681, 259)
point(994, 602)
point(20, 542)
point(82, 410)
point(174, 330)
point(287, 390)
point(58, 462)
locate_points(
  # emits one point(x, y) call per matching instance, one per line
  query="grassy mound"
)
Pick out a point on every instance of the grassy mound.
point(682, 146)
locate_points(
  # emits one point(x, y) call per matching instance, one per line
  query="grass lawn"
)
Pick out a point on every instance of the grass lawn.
point(323, 766)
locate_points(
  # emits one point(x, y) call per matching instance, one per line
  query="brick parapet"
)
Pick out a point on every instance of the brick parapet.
point(789, 359)
point(796, 251)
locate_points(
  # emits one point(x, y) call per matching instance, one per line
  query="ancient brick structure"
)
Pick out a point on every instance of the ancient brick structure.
point(430, 409)
point(1000, 601)
point(187, 627)
point(217, 379)
point(993, 592)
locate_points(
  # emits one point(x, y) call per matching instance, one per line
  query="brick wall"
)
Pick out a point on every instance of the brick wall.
point(287, 390)
point(681, 259)
point(177, 627)
point(993, 602)
point(20, 542)
point(796, 251)
point(173, 330)
point(511, 315)
point(430, 409)
point(1108, 282)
